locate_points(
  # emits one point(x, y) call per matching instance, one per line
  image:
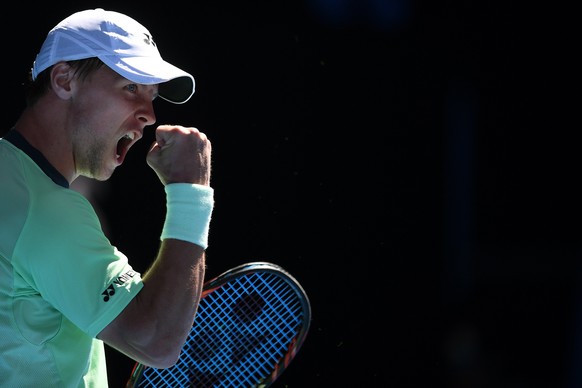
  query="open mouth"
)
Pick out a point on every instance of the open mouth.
point(123, 146)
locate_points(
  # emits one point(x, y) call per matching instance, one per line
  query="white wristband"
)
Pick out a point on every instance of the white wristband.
point(189, 209)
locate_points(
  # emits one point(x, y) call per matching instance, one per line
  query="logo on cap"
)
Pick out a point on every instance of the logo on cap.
point(149, 40)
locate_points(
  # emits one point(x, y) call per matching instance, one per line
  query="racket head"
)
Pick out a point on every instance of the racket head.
point(250, 324)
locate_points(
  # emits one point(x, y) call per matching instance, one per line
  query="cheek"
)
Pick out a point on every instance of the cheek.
point(105, 112)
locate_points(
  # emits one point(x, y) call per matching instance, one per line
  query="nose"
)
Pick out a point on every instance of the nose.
point(146, 114)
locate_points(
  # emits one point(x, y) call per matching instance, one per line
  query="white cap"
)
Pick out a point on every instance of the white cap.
point(121, 43)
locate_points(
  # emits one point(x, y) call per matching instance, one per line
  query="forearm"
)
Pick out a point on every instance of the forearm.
point(169, 299)
point(153, 327)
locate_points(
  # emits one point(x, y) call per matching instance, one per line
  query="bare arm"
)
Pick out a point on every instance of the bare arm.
point(153, 327)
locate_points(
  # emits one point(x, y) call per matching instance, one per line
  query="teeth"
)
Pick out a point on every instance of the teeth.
point(130, 136)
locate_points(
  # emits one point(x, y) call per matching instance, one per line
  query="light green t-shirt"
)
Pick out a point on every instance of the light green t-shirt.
point(61, 280)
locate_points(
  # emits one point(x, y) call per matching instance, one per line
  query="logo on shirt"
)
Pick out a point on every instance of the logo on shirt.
point(117, 282)
point(108, 293)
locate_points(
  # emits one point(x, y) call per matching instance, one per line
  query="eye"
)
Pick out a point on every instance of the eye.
point(132, 88)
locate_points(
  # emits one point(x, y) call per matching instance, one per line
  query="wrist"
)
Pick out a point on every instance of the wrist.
point(188, 212)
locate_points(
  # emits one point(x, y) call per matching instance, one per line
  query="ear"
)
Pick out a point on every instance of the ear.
point(61, 80)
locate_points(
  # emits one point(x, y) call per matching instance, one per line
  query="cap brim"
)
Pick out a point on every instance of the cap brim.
point(177, 90)
point(175, 85)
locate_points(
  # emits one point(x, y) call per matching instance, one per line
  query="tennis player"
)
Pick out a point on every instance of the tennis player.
point(64, 289)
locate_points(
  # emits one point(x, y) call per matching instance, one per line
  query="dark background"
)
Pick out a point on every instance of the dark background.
point(412, 164)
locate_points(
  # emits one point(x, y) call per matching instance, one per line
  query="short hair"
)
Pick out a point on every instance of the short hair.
point(34, 89)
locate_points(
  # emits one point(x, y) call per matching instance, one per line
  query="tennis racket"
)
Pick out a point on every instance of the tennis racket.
point(250, 323)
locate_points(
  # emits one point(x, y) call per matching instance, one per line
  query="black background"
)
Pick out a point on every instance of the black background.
point(412, 164)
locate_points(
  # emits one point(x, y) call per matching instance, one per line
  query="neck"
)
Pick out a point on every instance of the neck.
point(48, 134)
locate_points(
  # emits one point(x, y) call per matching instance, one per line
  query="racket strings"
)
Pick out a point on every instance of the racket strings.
point(241, 332)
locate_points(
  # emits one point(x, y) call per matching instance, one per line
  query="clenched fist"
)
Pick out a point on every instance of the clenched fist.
point(180, 155)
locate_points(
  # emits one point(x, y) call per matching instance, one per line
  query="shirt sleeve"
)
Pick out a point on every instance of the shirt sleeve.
point(65, 256)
